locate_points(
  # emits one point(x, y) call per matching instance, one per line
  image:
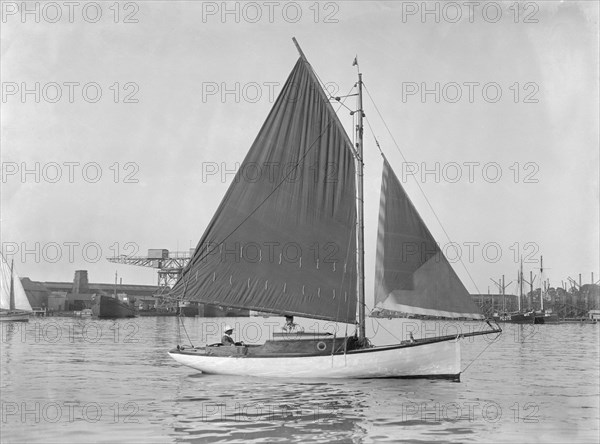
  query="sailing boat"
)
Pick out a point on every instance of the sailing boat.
point(531, 316)
point(261, 252)
point(520, 316)
point(14, 305)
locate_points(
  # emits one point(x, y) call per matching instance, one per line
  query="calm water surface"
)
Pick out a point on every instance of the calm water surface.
point(85, 380)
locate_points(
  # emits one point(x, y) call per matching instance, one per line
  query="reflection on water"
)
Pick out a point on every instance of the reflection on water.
point(73, 380)
point(247, 409)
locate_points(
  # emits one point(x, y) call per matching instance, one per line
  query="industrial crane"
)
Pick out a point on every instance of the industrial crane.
point(168, 263)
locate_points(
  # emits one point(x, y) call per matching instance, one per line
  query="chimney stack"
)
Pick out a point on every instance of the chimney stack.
point(80, 283)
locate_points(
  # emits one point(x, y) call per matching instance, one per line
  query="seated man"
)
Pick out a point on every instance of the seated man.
point(227, 339)
point(290, 326)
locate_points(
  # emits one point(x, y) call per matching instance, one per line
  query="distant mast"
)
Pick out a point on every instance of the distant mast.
point(542, 283)
point(12, 286)
point(520, 284)
point(530, 299)
point(503, 294)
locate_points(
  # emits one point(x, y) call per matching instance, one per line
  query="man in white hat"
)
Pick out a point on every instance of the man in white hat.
point(227, 339)
point(290, 326)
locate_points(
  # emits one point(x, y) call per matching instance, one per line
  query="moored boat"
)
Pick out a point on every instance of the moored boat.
point(14, 316)
point(111, 307)
point(530, 317)
point(527, 316)
point(549, 318)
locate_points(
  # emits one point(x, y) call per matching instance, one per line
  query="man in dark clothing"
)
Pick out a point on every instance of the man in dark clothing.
point(290, 326)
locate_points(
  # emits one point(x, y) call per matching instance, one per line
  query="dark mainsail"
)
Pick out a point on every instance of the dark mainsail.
point(283, 239)
point(412, 275)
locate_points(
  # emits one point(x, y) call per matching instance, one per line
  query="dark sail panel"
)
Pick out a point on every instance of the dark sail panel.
point(283, 239)
point(412, 275)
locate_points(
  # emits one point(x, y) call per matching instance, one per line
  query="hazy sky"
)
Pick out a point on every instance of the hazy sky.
point(175, 60)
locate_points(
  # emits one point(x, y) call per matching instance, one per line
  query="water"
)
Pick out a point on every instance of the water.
point(76, 380)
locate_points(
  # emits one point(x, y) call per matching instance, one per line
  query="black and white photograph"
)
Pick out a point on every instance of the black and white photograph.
point(300, 221)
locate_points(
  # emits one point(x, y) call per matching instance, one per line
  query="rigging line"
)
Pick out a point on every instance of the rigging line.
point(353, 126)
point(180, 322)
point(326, 92)
point(341, 103)
point(307, 152)
point(337, 100)
point(391, 334)
point(346, 346)
point(374, 136)
point(333, 350)
point(419, 186)
point(381, 325)
point(185, 330)
point(373, 326)
point(480, 353)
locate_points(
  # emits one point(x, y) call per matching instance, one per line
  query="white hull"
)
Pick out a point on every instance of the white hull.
point(14, 317)
point(437, 359)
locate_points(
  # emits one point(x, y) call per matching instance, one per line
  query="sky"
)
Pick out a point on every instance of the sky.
point(121, 126)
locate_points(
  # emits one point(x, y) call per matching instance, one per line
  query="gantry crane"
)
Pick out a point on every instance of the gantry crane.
point(169, 264)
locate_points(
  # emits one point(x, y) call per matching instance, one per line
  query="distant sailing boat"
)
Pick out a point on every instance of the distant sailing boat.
point(291, 241)
point(520, 316)
point(531, 316)
point(14, 305)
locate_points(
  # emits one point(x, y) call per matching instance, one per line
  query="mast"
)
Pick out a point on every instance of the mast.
point(503, 295)
point(541, 283)
point(531, 290)
point(520, 284)
point(361, 225)
point(12, 286)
